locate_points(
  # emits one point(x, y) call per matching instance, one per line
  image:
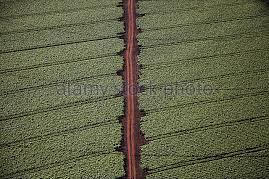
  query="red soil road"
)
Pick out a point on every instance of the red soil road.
point(132, 130)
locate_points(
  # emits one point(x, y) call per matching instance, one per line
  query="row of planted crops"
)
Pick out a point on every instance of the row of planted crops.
point(204, 72)
point(205, 75)
point(59, 102)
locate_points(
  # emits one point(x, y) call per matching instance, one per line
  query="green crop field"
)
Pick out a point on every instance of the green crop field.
point(59, 89)
point(204, 68)
point(203, 72)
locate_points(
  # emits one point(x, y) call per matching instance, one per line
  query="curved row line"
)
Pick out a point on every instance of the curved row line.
point(59, 107)
point(232, 97)
point(58, 44)
point(209, 158)
point(161, 85)
point(60, 26)
point(92, 154)
point(217, 38)
point(59, 133)
point(55, 83)
point(154, 66)
point(206, 22)
point(180, 11)
point(57, 63)
point(207, 127)
point(103, 7)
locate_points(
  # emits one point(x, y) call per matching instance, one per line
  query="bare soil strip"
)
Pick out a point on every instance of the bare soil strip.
point(131, 128)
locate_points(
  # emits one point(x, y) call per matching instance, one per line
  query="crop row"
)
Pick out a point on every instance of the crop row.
point(62, 120)
point(201, 15)
point(59, 73)
point(162, 6)
point(28, 155)
point(60, 54)
point(179, 95)
point(204, 70)
point(197, 115)
point(104, 166)
point(58, 94)
point(59, 89)
point(33, 7)
point(51, 21)
point(59, 36)
point(243, 165)
point(202, 31)
point(187, 70)
point(202, 48)
point(205, 142)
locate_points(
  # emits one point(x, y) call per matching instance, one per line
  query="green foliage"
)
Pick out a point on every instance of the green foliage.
point(61, 54)
point(204, 134)
point(105, 166)
point(58, 36)
point(204, 114)
point(205, 31)
point(207, 14)
point(89, 115)
point(55, 20)
point(59, 89)
point(184, 5)
point(29, 7)
point(58, 148)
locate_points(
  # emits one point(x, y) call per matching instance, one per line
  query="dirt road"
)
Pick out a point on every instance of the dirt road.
point(132, 131)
